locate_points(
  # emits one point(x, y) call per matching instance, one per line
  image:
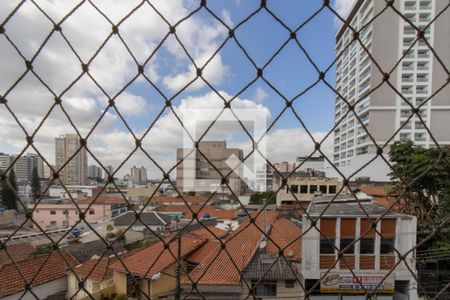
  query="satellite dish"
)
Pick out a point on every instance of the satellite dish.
point(262, 245)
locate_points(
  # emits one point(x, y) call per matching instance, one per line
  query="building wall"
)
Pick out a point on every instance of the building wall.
point(139, 193)
point(56, 191)
point(120, 282)
point(285, 195)
point(418, 76)
point(195, 166)
point(43, 217)
point(95, 289)
point(402, 228)
point(165, 284)
point(283, 292)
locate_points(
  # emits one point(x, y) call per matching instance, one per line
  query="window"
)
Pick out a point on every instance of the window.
point(52, 222)
point(53, 212)
point(91, 211)
point(367, 246)
point(303, 189)
point(323, 189)
point(312, 189)
point(327, 245)
point(65, 212)
point(294, 189)
point(264, 288)
point(289, 284)
point(345, 242)
point(387, 246)
point(332, 189)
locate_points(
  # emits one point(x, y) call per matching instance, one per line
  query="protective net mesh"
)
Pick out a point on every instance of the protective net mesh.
point(235, 260)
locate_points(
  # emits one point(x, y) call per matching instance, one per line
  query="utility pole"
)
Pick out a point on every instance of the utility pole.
point(178, 270)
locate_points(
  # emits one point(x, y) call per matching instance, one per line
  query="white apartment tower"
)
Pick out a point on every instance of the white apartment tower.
point(75, 172)
point(389, 38)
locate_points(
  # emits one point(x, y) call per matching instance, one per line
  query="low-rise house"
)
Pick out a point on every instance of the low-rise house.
point(147, 219)
point(62, 213)
point(40, 276)
point(150, 273)
point(356, 246)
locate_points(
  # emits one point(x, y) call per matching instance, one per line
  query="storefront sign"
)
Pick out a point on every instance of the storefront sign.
point(359, 284)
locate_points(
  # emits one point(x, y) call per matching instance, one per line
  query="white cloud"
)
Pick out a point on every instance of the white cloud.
point(343, 7)
point(260, 95)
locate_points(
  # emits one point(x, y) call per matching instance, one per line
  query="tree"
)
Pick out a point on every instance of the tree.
point(421, 177)
point(8, 195)
point(259, 198)
point(35, 185)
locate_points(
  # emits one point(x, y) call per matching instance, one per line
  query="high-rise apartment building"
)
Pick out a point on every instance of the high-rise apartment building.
point(95, 172)
point(23, 165)
point(138, 175)
point(390, 39)
point(75, 172)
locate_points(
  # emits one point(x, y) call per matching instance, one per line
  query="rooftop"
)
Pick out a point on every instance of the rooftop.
point(85, 251)
point(17, 252)
point(347, 205)
point(271, 267)
point(36, 271)
point(211, 211)
point(154, 259)
point(188, 199)
point(223, 268)
point(146, 217)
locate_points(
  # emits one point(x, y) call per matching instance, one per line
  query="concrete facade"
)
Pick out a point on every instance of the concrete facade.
point(75, 171)
point(418, 75)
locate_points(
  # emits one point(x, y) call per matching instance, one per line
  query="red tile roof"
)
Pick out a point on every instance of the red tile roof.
point(218, 268)
point(53, 267)
point(18, 252)
point(167, 199)
point(384, 197)
point(284, 233)
point(213, 212)
point(199, 255)
point(103, 200)
point(95, 269)
point(208, 233)
point(154, 259)
point(98, 269)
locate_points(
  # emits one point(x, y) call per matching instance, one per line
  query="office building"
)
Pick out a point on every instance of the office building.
point(23, 166)
point(75, 171)
point(138, 175)
point(389, 39)
point(109, 171)
point(203, 169)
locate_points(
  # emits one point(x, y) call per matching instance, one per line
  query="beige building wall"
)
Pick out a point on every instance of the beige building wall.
point(284, 194)
point(293, 293)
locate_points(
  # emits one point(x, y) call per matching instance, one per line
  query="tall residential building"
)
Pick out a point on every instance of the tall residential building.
point(138, 175)
point(23, 166)
point(109, 171)
point(196, 173)
point(418, 75)
point(5, 161)
point(75, 172)
point(95, 172)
